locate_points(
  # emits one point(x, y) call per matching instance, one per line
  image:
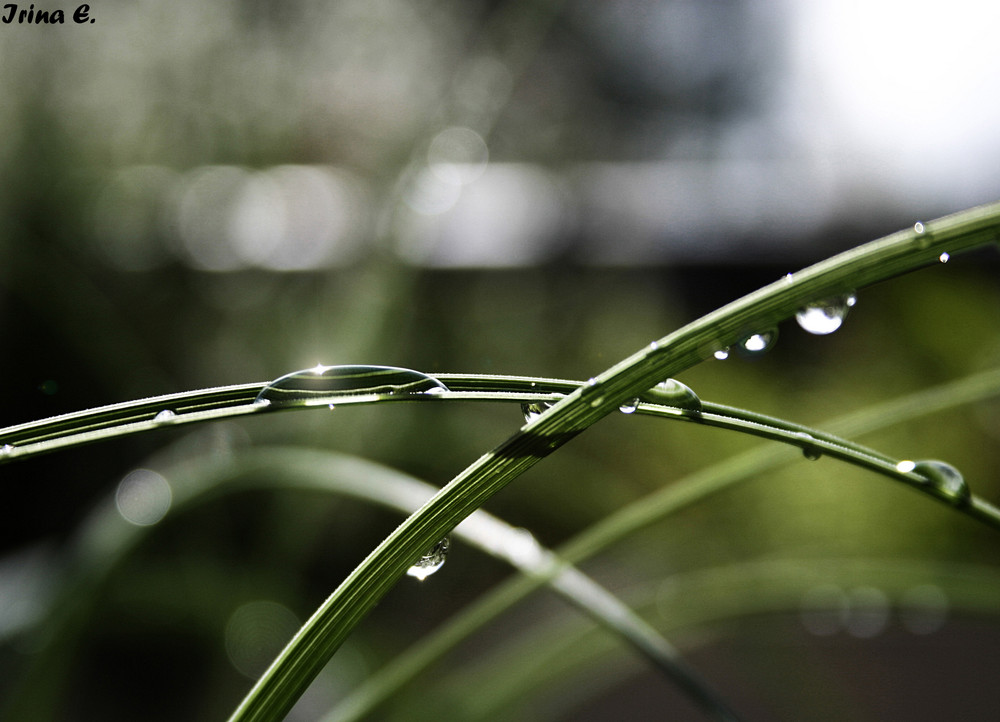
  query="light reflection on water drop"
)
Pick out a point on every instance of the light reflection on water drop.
point(6, 450)
point(629, 406)
point(757, 343)
point(330, 385)
point(164, 417)
point(432, 560)
point(722, 354)
point(826, 316)
point(944, 257)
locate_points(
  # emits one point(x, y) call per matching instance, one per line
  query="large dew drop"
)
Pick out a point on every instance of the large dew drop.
point(330, 385)
point(757, 343)
point(673, 393)
point(826, 316)
point(432, 560)
point(946, 478)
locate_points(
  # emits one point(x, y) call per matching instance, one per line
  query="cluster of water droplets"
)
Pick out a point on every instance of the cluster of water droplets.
point(432, 560)
point(331, 385)
point(940, 474)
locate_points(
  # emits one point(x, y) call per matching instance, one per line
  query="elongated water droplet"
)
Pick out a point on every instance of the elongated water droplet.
point(722, 354)
point(944, 257)
point(432, 560)
point(758, 343)
point(826, 316)
point(329, 385)
point(629, 406)
point(164, 417)
point(945, 477)
point(533, 410)
point(673, 393)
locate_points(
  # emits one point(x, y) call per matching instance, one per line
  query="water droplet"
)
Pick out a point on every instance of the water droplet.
point(809, 450)
point(629, 406)
point(164, 417)
point(945, 477)
point(905, 466)
point(592, 381)
point(826, 316)
point(7, 450)
point(654, 345)
point(758, 343)
point(673, 393)
point(722, 354)
point(432, 560)
point(788, 278)
point(923, 236)
point(944, 257)
point(533, 410)
point(329, 385)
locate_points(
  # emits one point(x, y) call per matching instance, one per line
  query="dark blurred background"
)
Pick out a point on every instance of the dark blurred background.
point(199, 194)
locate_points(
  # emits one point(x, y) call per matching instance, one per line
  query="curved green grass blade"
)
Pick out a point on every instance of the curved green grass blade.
point(106, 539)
point(283, 683)
point(653, 508)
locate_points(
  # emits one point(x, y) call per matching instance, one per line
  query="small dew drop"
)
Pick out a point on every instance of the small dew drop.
point(6, 450)
point(432, 560)
point(533, 410)
point(758, 343)
point(592, 381)
point(673, 393)
point(722, 354)
point(905, 466)
point(164, 417)
point(330, 385)
point(944, 257)
point(629, 407)
point(654, 345)
point(788, 278)
point(809, 450)
point(918, 227)
point(946, 478)
point(826, 316)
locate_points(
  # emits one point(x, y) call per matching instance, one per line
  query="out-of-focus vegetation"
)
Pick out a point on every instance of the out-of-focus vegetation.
point(212, 193)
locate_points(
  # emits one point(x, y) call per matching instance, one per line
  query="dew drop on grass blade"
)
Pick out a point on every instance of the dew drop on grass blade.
point(329, 385)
